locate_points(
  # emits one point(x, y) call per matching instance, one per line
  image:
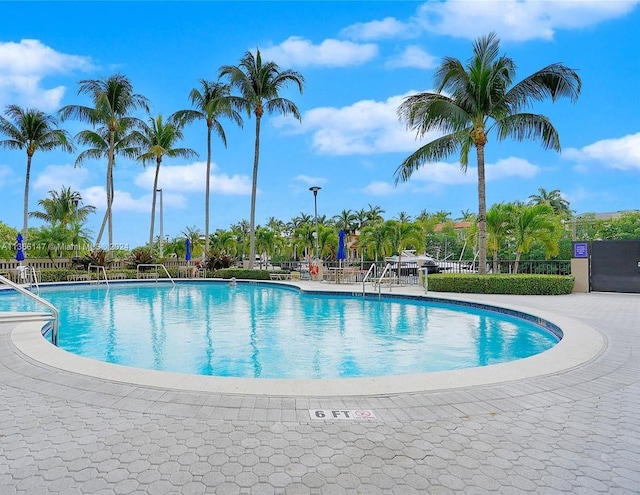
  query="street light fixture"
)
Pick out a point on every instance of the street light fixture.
point(161, 225)
point(315, 190)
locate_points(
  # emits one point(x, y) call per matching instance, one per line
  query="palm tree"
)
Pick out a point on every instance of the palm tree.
point(552, 198)
point(113, 99)
point(31, 130)
point(537, 223)
point(482, 99)
point(61, 208)
point(375, 214)
point(211, 102)
point(259, 86)
point(373, 240)
point(499, 224)
point(345, 221)
point(157, 140)
point(402, 235)
point(194, 234)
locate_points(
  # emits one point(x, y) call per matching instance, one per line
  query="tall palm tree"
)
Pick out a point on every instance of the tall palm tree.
point(552, 198)
point(31, 130)
point(157, 140)
point(482, 98)
point(259, 85)
point(113, 99)
point(211, 102)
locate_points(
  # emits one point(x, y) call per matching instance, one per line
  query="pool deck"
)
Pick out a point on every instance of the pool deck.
point(565, 424)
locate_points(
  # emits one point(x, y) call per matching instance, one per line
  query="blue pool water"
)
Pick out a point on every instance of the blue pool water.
point(262, 331)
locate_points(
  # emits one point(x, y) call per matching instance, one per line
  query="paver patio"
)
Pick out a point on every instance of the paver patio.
point(576, 431)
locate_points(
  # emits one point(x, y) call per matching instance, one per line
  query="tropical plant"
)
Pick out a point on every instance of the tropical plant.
point(537, 223)
point(346, 221)
point(211, 102)
point(157, 140)
point(63, 208)
point(138, 256)
point(552, 198)
point(471, 101)
point(259, 85)
point(113, 100)
point(31, 130)
point(402, 235)
point(194, 234)
point(7, 241)
point(499, 224)
point(374, 214)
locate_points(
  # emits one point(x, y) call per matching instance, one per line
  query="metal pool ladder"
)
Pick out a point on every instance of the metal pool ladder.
point(156, 265)
point(54, 312)
point(99, 268)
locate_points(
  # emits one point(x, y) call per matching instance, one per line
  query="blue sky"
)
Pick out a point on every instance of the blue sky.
point(359, 60)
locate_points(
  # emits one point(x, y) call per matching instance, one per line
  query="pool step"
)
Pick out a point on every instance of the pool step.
point(16, 316)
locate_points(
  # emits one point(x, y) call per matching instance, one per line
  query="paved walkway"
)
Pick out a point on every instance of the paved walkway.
point(576, 431)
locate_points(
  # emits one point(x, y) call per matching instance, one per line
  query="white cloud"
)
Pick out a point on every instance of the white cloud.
point(189, 178)
point(518, 20)
point(620, 154)
point(414, 57)
point(24, 65)
point(366, 127)
point(300, 52)
point(53, 177)
point(389, 27)
point(123, 201)
point(450, 174)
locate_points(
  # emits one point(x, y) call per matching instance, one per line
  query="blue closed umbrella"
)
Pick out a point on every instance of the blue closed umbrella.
point(341, 252)
point(187, 245)
point(20, 252)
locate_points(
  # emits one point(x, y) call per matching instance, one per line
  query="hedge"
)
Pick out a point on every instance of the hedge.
point(242, 273)
point(524, 284)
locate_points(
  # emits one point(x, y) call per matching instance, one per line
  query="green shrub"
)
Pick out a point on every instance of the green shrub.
point(501, 284)
point(242, 273)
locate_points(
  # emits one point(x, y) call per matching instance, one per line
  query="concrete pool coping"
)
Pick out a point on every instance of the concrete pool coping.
point(579, 345)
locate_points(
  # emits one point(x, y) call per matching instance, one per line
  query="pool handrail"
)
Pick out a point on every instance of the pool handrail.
point(34, 278)
point(55, 315)
point(386, 269)
point(156, 265)
point(98, 267)
point(372, 268)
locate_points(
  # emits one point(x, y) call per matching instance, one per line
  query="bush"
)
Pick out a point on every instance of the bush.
point(218, 260)
point(140, 256)
point(501, 284)
point(250, 274)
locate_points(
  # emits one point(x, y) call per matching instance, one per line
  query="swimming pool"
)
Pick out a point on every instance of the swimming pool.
point(258, 330)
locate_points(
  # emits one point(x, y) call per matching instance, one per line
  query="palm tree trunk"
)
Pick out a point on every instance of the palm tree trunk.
point(206, 195)
point(495, 261)
point(109, 206)
point(254, 190)
point(482, 212)
point(516, 265)
point(25, 212)
point(153, 203)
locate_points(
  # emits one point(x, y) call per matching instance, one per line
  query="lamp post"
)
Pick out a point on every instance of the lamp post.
point(315, 190)
point(161, 225)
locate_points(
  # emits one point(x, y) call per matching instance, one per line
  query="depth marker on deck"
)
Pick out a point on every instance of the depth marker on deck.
point(342, 414)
